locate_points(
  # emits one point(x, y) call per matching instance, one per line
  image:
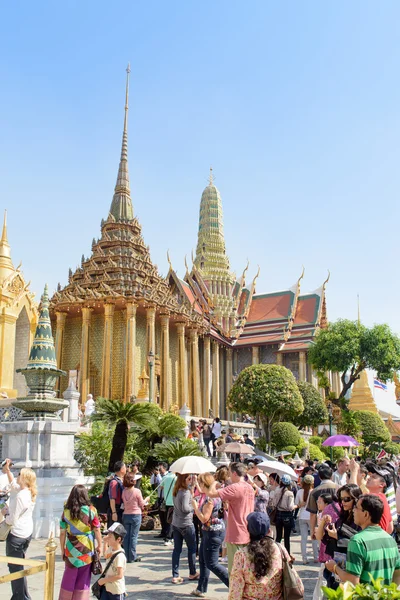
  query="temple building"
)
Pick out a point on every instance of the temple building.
point(117, 310)
point(18, 320)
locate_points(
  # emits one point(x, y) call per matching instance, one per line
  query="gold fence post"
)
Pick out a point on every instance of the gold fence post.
point(51, 548)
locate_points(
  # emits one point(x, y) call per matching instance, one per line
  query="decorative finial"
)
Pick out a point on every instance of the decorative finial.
point(186, 265)
point(245, 270)
point(169, 260)
point(4, 234)
point(327, 279)
point(211, 177)
point(301, 276)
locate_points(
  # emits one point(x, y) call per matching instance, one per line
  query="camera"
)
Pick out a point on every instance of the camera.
point(3, 464)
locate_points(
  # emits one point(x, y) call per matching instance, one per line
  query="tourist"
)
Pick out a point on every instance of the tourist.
point(115, 490)
point(261, 498)
point(340, 475)
point(114, 581)
point(372, 552)
point(79, 528)
point(240, 496)
point(215, 433)
point(327, 486)
point(90, 406)
point(6, 477)
point(207, 436)
point(257, 571)
point(377, 482)
point(213, 533)
point(155, 478)
point(248, 440)
point(358, 475)
point(162, 509)
point(307, 485)
point(341, 532)
point(229, 435)
point(329, 511)
point(133, 502)
point(183, 528)
point(134, 468)
point(284, 503)
point(167, 504)
point(19, 515)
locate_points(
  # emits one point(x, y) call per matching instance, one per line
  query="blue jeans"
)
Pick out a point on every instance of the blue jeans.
point(132, 526)
point(109, 596)
point(188, 534)
point(211, 542)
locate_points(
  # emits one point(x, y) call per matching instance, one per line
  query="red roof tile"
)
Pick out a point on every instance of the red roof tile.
point(270, 307)
point(307, 309)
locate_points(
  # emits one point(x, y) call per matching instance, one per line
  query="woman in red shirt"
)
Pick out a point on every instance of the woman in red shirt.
point(133, 502)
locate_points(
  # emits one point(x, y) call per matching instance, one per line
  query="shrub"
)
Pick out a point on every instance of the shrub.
point(285, 434)
point(316, 453)
point(392, 448)
point(172, 450)
point(291, 449)
point(316, 440)
point(261, 443)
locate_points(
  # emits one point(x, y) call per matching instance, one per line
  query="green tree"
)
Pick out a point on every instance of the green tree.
point(315, 411)
point(173, 449)
point(315, 452)
point(269, 392)
point(392, 448)
point(284, 434)
point(348, 347)
point(373, 428)
point(119, 415)
point(348, 423)
point(316, 440)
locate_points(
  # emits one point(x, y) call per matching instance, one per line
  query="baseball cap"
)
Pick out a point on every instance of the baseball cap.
point(285, 479)
point(258, 524)
point(385, 473)
point(118, 529)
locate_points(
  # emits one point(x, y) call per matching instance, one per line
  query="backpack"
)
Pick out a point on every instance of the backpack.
point(102, 501)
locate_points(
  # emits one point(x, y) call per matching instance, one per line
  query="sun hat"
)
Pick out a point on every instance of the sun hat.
point(285, 479)
point(309, 479)
point(258, 524)
point(263, 478)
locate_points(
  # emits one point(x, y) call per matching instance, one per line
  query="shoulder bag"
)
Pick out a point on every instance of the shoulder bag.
point(5, 528)
point(96, 588)
point(273, 510)
point(293, 588)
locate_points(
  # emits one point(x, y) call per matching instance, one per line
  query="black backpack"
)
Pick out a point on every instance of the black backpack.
point(102, 501)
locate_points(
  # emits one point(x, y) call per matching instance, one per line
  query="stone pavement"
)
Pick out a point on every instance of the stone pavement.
point(151, 578)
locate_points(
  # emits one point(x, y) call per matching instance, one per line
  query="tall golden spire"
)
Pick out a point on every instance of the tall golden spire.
point(211, 177)
point(6, 266)
point(121, 206)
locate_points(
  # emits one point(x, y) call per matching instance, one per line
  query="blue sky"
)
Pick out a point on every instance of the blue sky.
point(295, 105)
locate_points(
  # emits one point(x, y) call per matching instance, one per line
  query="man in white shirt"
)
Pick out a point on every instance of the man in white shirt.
point(340, 475)
point(90, 406)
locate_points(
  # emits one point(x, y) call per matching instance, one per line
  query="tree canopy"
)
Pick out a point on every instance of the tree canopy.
point(347, 347)
point(315, 411)
point(372, 427)
point(269, 392)
point(284, 434)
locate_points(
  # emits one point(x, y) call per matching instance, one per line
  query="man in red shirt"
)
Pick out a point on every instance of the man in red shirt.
point(377, 482)
point(240, 498)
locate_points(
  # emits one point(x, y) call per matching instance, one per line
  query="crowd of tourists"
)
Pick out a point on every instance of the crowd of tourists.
point(232, 522)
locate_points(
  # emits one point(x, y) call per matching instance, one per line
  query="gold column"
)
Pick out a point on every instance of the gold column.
point(61, 317)
point(130, 348)
point(151, 342)
point(194, 343)
point(302, 366)
point(279, 359)
point(84, 364)
point(107, 350)
point(255, 355)
point(229, 379)
point(215, 378)
point(7, 351)
point(165, 388)
point(206, 377)
point(183, 380)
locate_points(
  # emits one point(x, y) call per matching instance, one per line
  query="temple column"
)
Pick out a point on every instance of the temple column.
point(183, 379)
point(255, 355)
point(279, 359)
point(7, 354)
point(165, 388)
point(194, 351)
point(84, 362)
point(107, 350)
point(58, 342)
point(215, 379)
point(302, 366)
point(130, 348)
point(229, 379)
point(151, 343)
point(206, 377)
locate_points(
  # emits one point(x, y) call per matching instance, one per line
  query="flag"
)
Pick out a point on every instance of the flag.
point(380, 385)
point(382, 454)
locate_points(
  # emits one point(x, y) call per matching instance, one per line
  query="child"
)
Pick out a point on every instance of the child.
point(114, 581)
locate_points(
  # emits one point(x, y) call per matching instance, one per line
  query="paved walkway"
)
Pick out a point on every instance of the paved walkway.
point(151, 578)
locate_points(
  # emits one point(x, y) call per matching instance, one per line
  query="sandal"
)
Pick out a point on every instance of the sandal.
point(177, 580)
point(194, 577)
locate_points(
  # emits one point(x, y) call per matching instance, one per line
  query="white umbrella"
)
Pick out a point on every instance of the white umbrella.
point(272, 466)
point(236, 448)
point(192, 464)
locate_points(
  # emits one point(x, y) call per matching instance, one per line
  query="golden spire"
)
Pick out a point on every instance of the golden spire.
point(211, 177)
point(6, 266)
point(361, 395)
point(121, 206)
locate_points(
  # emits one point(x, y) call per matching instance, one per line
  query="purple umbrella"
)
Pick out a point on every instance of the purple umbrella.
point(340, 440)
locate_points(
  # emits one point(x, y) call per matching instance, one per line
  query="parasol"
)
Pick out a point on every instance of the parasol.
point(272, 466)
point(340, 440)
point(192, 464)
point(236, 448)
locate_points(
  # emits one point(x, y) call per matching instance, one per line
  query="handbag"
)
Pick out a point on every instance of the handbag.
point(96, 567)
point(170, 515)
point(293, 588)
point(273, 511)
point(5, 528)
point(96, 588)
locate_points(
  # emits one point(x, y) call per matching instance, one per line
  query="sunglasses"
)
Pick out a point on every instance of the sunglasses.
point(348, 499)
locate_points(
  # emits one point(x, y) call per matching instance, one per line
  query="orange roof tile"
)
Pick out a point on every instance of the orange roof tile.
point(307, 309)
point(269, 307)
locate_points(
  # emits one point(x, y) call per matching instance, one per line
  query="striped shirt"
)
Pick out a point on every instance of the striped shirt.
point(372, 551)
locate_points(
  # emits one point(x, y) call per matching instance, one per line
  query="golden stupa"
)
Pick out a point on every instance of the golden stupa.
point(361, 395)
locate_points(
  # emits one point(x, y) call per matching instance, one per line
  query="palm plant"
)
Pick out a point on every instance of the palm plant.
point(120, 415)
point(171, 450)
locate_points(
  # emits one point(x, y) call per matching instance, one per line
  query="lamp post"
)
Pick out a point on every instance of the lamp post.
point(330, 424)
point(150, 360)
